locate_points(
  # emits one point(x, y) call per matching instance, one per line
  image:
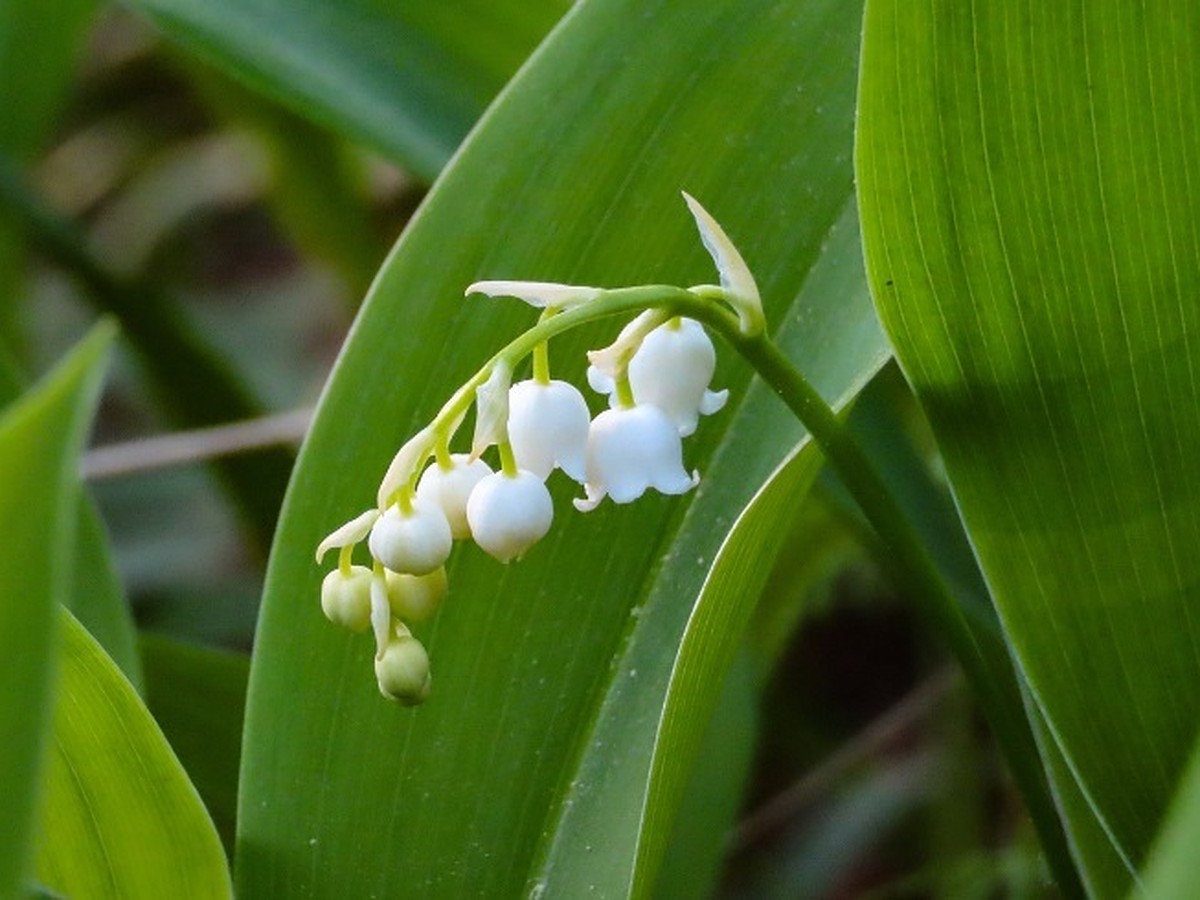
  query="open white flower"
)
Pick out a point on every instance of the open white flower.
point(416, 542)
point(631, 450)
point(548, 427)
point(449, 488)
point(672, 369)
point(509, 513)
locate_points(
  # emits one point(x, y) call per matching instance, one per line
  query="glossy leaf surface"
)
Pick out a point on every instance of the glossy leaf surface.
point(119, 816)
point(1032, 230)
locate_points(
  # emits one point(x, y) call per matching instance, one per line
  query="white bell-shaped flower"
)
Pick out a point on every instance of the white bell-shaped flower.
point(509, 513)
point(450, 488)
point(630, 450)
point(346, 599)
point(672, 369)
point(548, 427)
point(416, 542)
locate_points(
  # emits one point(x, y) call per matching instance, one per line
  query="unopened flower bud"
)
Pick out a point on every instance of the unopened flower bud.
point(346, 599)
point(450, 488)
point(672, 369)
point(630, 450)
point(403, 670)
point(415, 598)
point(548, 427)
point(416, 542)
point(509, 513)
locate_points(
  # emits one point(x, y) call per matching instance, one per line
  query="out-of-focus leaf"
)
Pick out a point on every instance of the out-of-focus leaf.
point(198, 696)
point(1031, 222)
point(95, 596)
point(713, 794)
point(118, 815)
point(40, 438)
point(1171, 870)
point(407, 78)
point(197, 385)
point(550, 675)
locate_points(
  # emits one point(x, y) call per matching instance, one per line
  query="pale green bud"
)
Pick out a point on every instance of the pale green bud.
point(346, 599)
point(415, 598)
point(403, 671)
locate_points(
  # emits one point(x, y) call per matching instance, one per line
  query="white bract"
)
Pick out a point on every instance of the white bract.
point(672, 370)
point(416, 542)
point(548, 427)
point(631, 450)
point(539, 294)
point(509, 513)
point(449, 488)
point(491, 409)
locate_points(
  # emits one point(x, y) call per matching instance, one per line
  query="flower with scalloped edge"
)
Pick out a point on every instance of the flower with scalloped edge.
point(548, 428)
point(509, 513)
point(671, 369)
point(632, 449)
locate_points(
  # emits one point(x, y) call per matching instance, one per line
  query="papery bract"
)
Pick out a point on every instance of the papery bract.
point(631, 450)
point(548, 427)
point(449, 488)
point(509, 513)
point(416, 542)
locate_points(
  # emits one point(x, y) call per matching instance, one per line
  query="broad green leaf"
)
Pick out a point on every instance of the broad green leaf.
point(96, 596)
point(407, 78)
point(197, 696)
point(40, 438)
point(547, 672)
point(118, 816)
point(1171, 871)
point(1032, 230)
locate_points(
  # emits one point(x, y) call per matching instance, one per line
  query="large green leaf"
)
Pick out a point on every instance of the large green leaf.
point(408, 78)
point(551, 674)
point(40, 438)
point(119, 816)
point(1032, 229)
point(197, 696)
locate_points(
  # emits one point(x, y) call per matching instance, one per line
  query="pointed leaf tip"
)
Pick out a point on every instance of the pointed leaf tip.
point(736, 278)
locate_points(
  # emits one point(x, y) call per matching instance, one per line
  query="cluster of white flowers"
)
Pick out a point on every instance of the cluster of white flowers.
point(656, 376)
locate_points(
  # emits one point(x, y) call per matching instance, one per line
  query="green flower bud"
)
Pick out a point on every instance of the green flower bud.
point(415, 598)
point(346, 599)
point(403, 671)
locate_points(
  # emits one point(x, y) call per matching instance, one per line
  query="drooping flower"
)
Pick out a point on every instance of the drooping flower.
point(414, 542)
point(509, 513)
point(346, 598)
point(548, 427)
point(415, 598)
point(672, 370)
point(449, 488)
point(632, 449)
point(402, 669)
